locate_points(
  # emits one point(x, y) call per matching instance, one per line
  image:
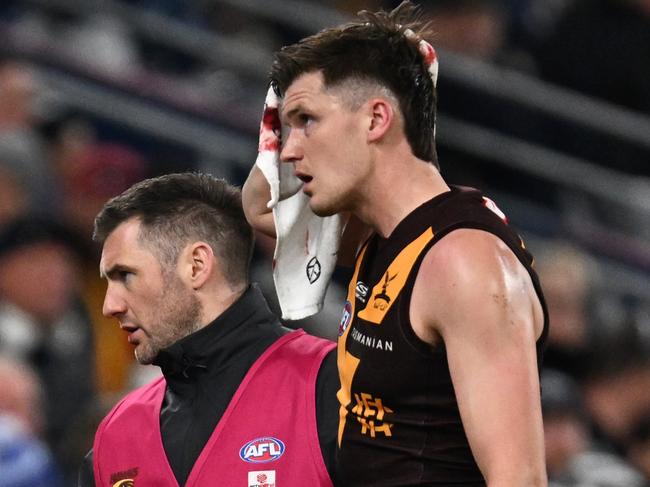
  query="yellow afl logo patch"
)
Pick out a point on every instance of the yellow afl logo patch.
point(124, 483)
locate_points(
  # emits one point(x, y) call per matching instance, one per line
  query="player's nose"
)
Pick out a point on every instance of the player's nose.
point(291, 148)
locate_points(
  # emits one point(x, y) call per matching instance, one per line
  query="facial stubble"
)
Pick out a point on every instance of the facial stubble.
point(176, 315)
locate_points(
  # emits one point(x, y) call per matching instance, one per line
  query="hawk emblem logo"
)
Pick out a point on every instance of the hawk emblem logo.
point(382, 299)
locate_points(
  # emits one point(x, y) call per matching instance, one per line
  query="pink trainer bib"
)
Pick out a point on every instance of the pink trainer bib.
point(267, 436)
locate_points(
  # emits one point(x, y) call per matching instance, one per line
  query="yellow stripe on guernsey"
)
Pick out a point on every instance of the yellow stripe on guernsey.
point(346, 362)
point(383, 296)
point(389, 286)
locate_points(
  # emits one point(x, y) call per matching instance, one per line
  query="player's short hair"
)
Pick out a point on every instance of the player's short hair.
point(372, 53)
point(177, 209)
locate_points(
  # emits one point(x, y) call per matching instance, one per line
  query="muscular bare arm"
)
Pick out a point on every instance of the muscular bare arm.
point(256, 193)
point(472, 293)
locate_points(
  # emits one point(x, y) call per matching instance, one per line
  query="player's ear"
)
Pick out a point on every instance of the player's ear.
point(381, 118)
point(197, 263)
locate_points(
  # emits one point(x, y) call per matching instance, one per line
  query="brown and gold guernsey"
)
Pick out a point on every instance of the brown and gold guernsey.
point(400, 424)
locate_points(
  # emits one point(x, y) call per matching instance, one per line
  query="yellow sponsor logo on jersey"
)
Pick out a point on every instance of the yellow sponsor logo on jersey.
point(370, 412)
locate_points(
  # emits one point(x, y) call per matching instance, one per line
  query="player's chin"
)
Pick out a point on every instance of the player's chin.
point(321, 209)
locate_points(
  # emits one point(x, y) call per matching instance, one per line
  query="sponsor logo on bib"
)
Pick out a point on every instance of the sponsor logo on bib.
point(264, 478)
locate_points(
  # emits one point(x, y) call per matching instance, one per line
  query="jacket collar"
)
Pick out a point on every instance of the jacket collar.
point(213, 346)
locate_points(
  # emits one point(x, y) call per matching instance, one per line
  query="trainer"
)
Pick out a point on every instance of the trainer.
point(242, 400)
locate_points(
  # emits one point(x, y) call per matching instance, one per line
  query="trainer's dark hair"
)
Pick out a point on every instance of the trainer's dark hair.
point(177, 209)
point(374, 50)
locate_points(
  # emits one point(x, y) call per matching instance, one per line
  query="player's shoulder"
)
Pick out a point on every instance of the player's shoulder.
point(467, 252)
point(459, 270)
point(469, 271)
point(468, 264)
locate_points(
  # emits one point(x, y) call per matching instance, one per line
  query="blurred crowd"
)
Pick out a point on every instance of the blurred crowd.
point(62, 364)
point(596, 379)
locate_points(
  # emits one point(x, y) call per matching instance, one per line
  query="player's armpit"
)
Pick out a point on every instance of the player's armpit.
point(473, 293)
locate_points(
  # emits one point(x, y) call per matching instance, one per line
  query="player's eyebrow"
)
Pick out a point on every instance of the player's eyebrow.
point(298, 108)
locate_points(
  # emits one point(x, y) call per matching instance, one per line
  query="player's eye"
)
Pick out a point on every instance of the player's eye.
point(305, 119)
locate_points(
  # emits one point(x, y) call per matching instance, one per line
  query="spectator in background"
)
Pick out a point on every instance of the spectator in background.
point(13, 196)
point(594, 341)
point(21, 146)
point(532, 20)
point(638, 447)
point(96, 173)
point(351, 7)
point(21, 395)
point(42, 321)
point(91, 177)
point(478, 31)
point(474, 28)
point(90, 172)
point(572, 457)
point(103, 33)
point(238, 24)
point(602, 48)
point(25, 461)
point(568, 277)
point(616, 388)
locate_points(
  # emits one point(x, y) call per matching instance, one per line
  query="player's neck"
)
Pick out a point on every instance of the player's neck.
point(397, 190)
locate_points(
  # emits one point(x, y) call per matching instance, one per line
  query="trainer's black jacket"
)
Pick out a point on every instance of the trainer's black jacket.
point(203, 371)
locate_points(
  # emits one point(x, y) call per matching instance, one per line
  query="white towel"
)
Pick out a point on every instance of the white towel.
point(306, 245)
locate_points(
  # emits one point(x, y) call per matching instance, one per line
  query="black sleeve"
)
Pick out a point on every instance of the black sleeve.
point(86, 474)
point(327, 409)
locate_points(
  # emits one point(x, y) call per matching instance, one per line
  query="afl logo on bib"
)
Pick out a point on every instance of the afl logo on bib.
point(262, 450)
